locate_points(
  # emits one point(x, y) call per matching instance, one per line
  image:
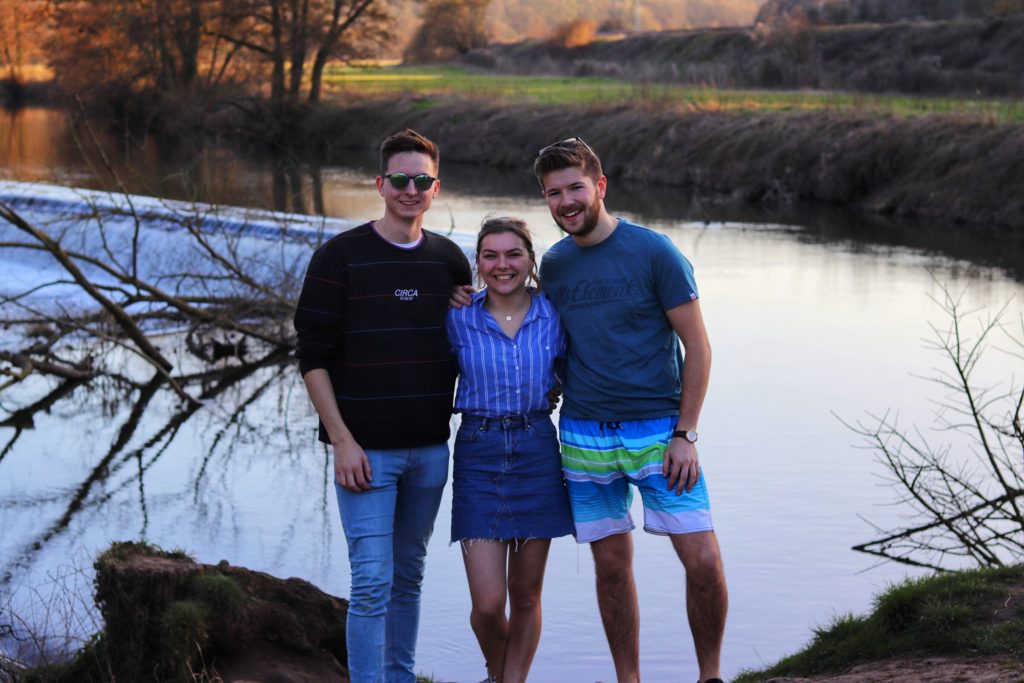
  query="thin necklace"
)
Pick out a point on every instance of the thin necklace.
point(509, 316)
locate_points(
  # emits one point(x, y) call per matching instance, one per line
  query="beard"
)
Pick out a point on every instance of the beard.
point(590, 216)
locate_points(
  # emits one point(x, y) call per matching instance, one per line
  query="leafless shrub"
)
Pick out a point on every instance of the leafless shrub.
point(41, 625)
point(968, 505)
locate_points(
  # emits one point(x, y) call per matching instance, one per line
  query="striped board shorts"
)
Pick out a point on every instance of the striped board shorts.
point(602, 459)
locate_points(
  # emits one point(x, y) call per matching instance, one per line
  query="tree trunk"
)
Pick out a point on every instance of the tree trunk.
point(277, 57)
point(316, 75)
point(334, 33)
point(300, 29)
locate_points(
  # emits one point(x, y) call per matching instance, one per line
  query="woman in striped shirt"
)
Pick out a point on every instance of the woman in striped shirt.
point(509, 496)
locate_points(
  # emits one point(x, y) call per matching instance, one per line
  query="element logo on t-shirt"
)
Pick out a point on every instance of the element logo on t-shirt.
point(595, 292)
point(407, 294)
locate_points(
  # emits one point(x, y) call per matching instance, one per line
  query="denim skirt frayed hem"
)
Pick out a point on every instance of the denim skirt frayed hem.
point(507, 480)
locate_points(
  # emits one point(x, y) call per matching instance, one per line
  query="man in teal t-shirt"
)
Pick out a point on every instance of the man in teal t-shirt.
point(628, 298)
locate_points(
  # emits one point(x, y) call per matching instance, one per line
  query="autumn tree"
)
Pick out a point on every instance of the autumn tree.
point(140, 45)
point(22, 32)
point(291, 35)
point(181, 47)
point(450, 28)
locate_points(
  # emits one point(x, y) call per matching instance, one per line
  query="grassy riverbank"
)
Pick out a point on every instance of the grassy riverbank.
point(963, 617)
point(947, 169)
point(953, 160)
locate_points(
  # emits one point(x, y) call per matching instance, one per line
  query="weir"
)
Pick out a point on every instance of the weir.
point(161, 240)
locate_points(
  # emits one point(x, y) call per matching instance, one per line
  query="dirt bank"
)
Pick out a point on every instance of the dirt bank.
point(169, 618)
point(942, 169)
point(917, 669)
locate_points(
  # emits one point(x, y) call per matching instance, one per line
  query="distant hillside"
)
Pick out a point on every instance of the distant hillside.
point(515, 20)
point(881, 11)
point(519, 19)
point(976, 57)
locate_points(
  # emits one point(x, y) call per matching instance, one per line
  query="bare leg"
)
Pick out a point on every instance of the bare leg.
point(525, 582)
point(707, 598)
point(616, 598)
point(485, 568)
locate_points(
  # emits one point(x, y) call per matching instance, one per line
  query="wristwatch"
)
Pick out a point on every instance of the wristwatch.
point(688, 434)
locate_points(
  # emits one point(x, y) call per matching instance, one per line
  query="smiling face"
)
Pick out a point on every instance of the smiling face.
point(408, 203)
point(575, 200)
point(504, 263)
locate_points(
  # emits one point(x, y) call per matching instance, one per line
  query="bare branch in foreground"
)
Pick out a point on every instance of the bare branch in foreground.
point(969, 502)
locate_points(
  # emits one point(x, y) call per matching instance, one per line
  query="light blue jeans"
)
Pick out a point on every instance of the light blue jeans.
point(387, 529)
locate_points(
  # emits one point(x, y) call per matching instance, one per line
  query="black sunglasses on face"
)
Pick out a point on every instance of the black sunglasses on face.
point(567, 143)
point(400, 181)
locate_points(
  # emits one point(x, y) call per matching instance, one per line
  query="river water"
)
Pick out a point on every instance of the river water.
point(815, 319)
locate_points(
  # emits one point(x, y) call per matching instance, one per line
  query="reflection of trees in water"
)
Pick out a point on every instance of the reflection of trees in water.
point(235, 387)
point(155, 312)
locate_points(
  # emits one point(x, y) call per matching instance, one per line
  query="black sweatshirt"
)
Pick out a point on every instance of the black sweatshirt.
point(373, 314)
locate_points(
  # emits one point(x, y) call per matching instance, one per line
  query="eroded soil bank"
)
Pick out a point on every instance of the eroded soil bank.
point(955, 171)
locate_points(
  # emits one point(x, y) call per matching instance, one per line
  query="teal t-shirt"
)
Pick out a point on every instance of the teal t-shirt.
point(624, 356)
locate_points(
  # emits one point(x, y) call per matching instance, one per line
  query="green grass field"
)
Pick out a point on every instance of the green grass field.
point(433, 83)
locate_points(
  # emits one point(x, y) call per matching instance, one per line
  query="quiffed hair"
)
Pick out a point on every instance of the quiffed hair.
point(569, 153)
point(408, 141)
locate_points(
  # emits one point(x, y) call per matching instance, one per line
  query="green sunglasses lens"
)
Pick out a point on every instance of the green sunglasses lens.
point(423, 182)
point(400, 181)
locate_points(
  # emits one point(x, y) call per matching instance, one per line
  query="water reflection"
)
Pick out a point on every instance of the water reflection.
point(141, 433)
point(41, 144)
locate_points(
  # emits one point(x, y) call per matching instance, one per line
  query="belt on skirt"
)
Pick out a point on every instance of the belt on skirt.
point(521, 421)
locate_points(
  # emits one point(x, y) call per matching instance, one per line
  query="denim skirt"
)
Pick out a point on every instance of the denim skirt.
point(507, 480)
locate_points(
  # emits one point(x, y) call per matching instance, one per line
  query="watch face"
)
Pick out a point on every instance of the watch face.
point(691, 436)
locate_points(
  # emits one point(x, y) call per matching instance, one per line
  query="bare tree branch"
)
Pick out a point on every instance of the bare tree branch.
point(970, 501)
point(123, 319)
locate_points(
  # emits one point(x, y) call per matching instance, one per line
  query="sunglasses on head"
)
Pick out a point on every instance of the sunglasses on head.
point(400, 181)
point(569, 143)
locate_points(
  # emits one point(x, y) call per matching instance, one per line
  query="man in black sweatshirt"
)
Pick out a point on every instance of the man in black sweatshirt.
point(375, 359)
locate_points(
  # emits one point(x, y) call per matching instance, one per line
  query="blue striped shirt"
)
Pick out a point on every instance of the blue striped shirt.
point(501, 376)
